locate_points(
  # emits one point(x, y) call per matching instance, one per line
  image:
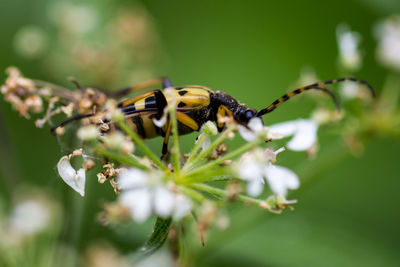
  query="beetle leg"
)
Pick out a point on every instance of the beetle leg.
point(223, 111)
point(187, 120)
point(166, 140)
point(182, 118)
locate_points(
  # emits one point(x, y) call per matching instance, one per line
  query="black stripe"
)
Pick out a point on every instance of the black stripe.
point(150, 102)
point(138, 121)
point(129, 109)
point(161, 103)
point(285, 97)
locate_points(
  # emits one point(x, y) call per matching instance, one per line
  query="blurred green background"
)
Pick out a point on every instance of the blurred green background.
point(255, 50)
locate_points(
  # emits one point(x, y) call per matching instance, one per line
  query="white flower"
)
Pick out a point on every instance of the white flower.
point(207, 130)
point(255, 167)
point(75, 18)
point(163, 201)
point(251, 169)
point(143, 194)
point(350, 90)
point(388, 35)
point(87, 133)
point(348, 41)
point(304, 133)
point(182, 207)
point(30, 216)
point(31, 41)
point(255, 129)
point(74, 178)
point(280, 179)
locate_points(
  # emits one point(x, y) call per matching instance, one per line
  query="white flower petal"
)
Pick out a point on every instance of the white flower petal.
point(284, 129)
point(304, 131)
point(138, 202)
point(348, 43)
point(250, 170)
point(132, 179)
point(305, 136)
point(163, 202)
point(206, 143)
point(246, 134)
point(388, 34)
point(209, 128)
point(280, 179)
point(254, 188)
point(255, 126)
point(75, 179)
point(80, 181)
point(182, 207)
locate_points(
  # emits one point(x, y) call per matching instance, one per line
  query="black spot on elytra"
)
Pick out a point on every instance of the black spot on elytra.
point(181, 104)
point(182, 92)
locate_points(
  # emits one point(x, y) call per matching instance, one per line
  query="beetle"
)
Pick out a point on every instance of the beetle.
point(195, 105)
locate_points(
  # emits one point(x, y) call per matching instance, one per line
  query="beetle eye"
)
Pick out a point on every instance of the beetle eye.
point(249, 114)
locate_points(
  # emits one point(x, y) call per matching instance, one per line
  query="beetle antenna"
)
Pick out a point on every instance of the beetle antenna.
point(75, 82)
point(317, 86)
point(74, 118)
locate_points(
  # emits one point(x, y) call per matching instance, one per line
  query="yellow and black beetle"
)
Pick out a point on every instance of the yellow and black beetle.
point(195, 105)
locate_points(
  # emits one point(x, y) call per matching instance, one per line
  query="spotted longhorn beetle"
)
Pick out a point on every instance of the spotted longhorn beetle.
point(195, 105)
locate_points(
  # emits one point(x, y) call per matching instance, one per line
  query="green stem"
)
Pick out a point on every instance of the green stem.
point(224, 193)
point(228, 156)
point(139, 142)
point(214, 144)
point(196, 148)
point(192, 194)
point(122, 158)
point(210, 176)
point(175, 146)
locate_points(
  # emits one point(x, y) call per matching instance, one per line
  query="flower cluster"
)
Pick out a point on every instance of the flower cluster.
point(144, 193)
point(388, 35)
point(348, 42)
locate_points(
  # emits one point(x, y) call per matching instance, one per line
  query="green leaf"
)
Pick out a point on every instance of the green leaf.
point(157, 238)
